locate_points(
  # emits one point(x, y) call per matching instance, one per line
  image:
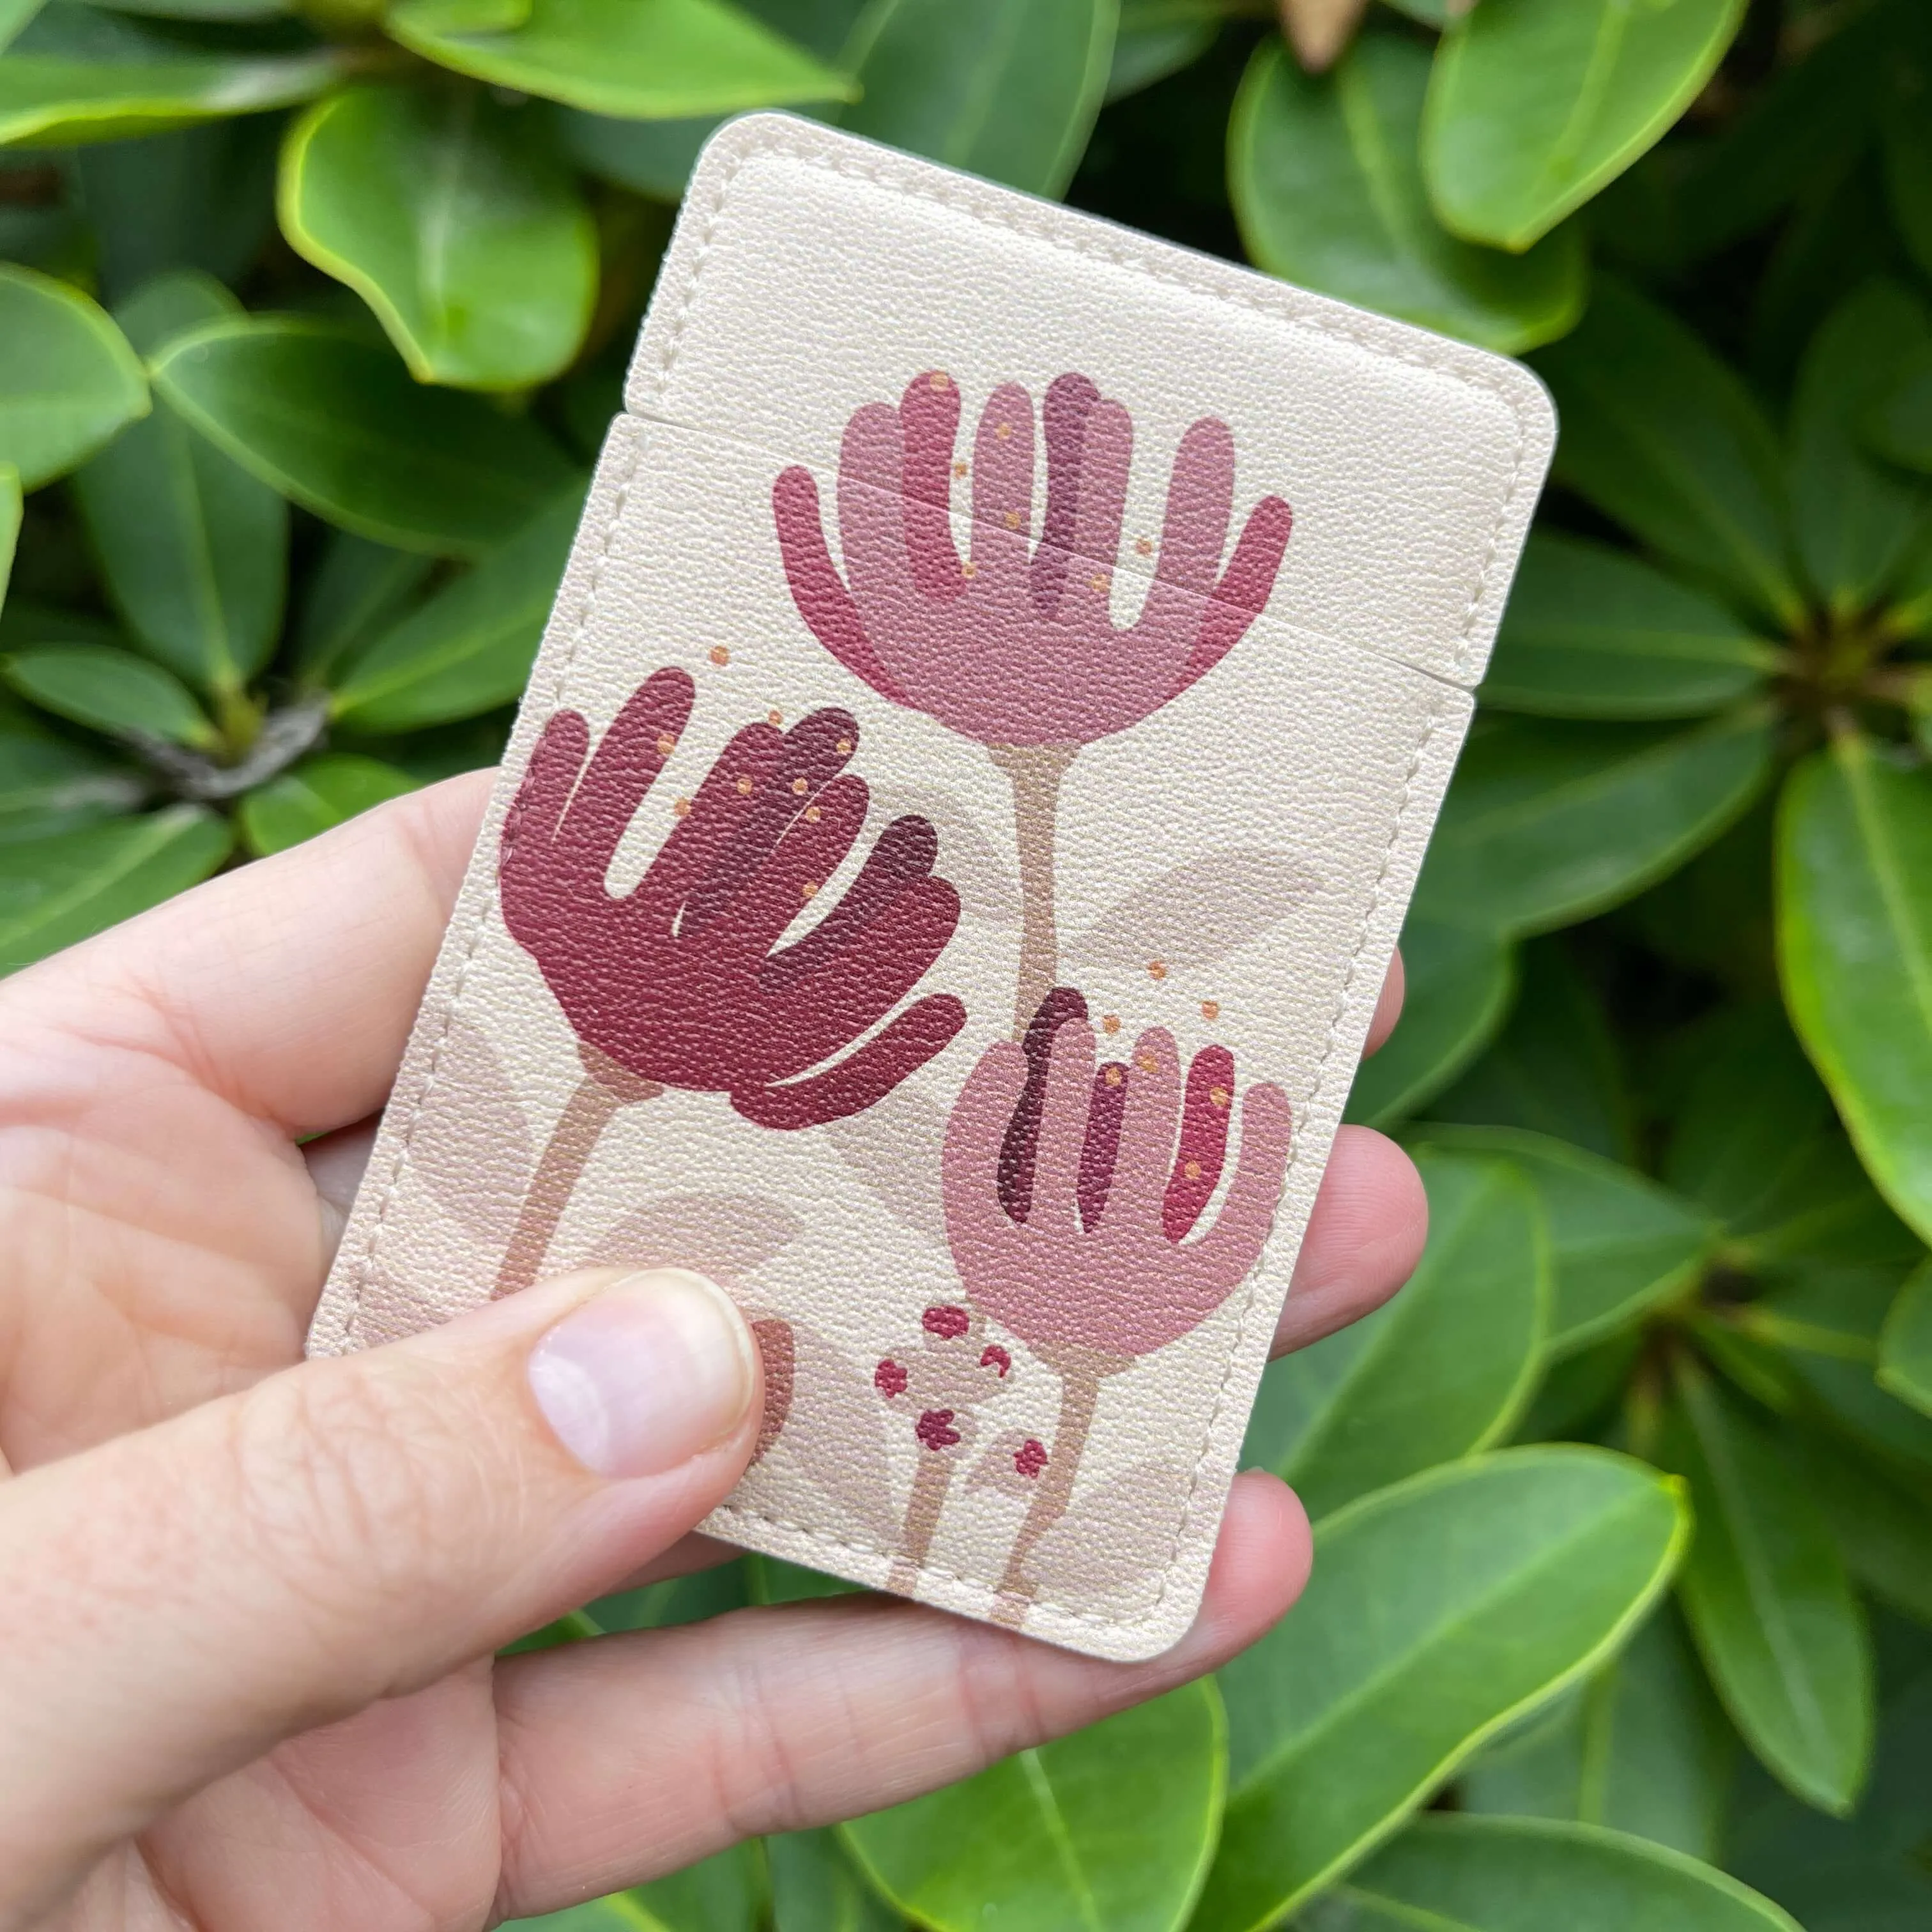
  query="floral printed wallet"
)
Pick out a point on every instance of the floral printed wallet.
point(945, 866)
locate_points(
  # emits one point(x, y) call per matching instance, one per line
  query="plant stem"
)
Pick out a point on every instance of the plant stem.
point(929, 1488)
point(604, 1087)
point(1035, 771)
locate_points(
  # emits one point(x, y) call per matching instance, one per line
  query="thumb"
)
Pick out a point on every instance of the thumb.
point(180, 1600)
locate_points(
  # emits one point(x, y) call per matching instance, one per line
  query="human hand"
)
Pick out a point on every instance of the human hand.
point(247, 1646)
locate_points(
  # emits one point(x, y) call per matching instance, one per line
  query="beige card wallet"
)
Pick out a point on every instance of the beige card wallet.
point(942, 875)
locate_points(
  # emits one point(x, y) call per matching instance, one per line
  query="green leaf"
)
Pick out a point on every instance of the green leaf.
point(1643, 1748)
point(1905, 1347)
point(1461, 1874)
point(654, 157)
point(1440, 1371)
point(14, 14)
point(335, 424)
point(55, 101)
point(1547, 823)
point(1619, 1243)
point(1536, 105)
point(815, 1888)
point(1459, 982)
point(68, 380)
point(719, 1894)
point(1908, 157)
point(49, 783)
point(314, 796)
point(1327, 190)
point(1594, 632)
point(1899, 426)
point(1110, 1829)
point(773, 1580)
point(1768, 1599)
point(1880, 1517)
point(470, 647)
point(1661, 436)
point(1438, 1611)
point(1555, 1067)
point(648, 59)
point(1855, 953)
point(112, 691)
point(359, 588)
point(1008, 88)
point(193, 548)
point(55, 891)
point(1755, 1141)
point(1855, 521)
point(10, 524)
point(1578, 1393)
point(1157, 40)
point(449, 214)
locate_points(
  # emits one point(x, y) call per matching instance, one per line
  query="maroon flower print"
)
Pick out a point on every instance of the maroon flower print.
point(685, 981)
point(1074, 1195)
point(1014, 645)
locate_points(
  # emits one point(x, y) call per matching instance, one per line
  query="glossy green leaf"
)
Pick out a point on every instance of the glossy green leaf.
point(67, 381)
point(1619, 1243)
point(10, 524)
point(1439, 1372)
point(449, 214)
point(1856, 519)
point(1854, 952)
point(1661, 436)
point(335, 424)
point(359, 588)
point(649, 59)
point(1574, 1401)
point(1438, 1610)
point(112, 691)
point(1459, 982)
point(1463, 1874)
point(1326, 185)
point(1880, 1516)
point(470, 647)
point(1642, 1747)
point(1555, 1067)
point(1594, 632)
point(1905, 1347)
point(314, 796)
point(1536, 105)
point(55, 891)
point(717, 1895)
point(1755, 1140)
point(1109, 1829)
point(773, 1580)
point(14, 14)
point(193, 548)
point(1008, 88)
point(1157, 38)
point(817, 1888)
point(1768, 1599)
point(54, 100)
point(1908, 158)
point(49, 783)
point(1549, 822)
point(654, 157)
point(1899, 425)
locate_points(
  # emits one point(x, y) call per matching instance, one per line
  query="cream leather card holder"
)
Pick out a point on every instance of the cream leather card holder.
point(942, 873)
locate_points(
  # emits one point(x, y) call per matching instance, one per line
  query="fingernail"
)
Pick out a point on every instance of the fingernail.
point(657, 1368)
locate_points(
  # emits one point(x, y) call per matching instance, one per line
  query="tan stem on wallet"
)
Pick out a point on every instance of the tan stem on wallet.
point(922, 1513)
point(1035, 771)
point(604, 1087)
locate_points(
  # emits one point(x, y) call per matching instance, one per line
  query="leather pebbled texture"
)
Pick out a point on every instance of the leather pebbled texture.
point(943, 872)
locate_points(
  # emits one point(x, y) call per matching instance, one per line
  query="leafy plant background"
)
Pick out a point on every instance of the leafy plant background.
point(311, 317)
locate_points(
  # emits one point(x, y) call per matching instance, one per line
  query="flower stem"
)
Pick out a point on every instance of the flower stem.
point(604, 1087)
point(1035, 771)
point(923, 1511)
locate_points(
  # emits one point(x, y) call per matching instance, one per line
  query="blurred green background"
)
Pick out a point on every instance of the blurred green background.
point(311, 318)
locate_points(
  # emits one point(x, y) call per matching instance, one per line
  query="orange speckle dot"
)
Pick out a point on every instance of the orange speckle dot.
point(969, 570)
point(1193, 1170)
point(813, 814)
point(682, 807)
point(961, 469)
point(1156, 969)
point(1112, 1076)
point(1098, 581)
point(775, 718)
point(745, 787)
point(1147, 1063)
point(667, 744)
point(1004, 430)
point(940, 379)
point(1012, 520)
point(808, 888)
point(1210, 1010)
point(719, 655)
point(1144, 546)
point(844, 748)
point(1218, 1096)
point(800, 787)
point(1110, 1023)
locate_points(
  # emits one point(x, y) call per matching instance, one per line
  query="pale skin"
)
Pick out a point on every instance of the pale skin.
point(247, 1636)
